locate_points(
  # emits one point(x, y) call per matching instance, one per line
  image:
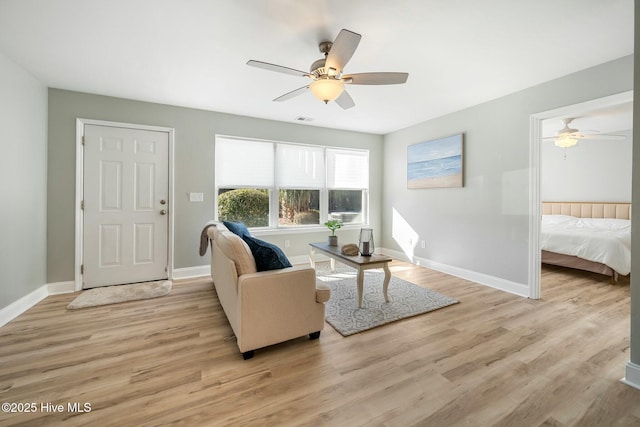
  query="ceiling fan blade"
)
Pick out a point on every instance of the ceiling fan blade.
point(587, 136)
point(345, 100)
point(287, 96)
point(375, 78)
point(277, 68)
point(600, 136)
point(342, 50)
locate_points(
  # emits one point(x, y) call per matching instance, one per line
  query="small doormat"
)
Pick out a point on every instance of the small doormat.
point(405, 300)
point(120, 293)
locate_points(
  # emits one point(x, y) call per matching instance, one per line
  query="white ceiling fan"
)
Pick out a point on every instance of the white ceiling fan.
point(568, 137)
point(326, 73)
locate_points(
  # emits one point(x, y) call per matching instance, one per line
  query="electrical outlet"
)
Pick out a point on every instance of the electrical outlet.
point(196, 197)
point(287, 243)
point(423, 244)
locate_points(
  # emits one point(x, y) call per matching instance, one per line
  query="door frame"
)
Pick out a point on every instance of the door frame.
point(79, 213)
point(535, 133)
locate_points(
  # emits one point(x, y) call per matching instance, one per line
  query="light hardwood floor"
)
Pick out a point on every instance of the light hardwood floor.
point(493, 359)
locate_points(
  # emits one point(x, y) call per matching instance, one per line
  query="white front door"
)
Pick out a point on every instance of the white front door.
point(126, 206)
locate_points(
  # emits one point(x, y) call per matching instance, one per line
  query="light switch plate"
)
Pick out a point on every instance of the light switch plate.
point(196, 197)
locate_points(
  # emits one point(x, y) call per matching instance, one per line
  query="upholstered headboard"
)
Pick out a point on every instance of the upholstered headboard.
point(588, 209)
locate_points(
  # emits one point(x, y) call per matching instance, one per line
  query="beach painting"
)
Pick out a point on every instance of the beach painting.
point(435, 164)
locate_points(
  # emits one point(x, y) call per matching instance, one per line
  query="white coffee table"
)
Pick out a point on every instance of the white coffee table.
point(359, 262)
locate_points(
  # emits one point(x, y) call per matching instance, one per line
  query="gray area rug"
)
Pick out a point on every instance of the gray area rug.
point(406, 299)
point(120, 293)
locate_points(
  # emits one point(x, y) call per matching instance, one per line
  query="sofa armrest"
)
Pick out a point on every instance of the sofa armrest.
point(323, 292)
point(278, 305)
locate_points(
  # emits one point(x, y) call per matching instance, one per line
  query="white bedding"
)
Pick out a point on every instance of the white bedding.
point(607, 241)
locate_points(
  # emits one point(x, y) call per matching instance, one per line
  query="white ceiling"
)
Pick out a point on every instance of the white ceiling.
point(192, 53)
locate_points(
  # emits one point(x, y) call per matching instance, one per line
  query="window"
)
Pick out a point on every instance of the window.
point(300, 176)
point(244, 181)
point(284, 185)
point(347, 184)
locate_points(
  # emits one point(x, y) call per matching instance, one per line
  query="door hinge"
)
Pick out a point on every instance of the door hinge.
point(82, 139)
point(81, 268)
point(166, 269)
point(82, 204)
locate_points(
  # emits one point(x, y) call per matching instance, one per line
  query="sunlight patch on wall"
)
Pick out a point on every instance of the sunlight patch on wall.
point(404, 235)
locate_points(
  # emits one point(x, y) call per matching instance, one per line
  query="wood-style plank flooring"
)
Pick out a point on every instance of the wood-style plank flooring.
point(494, 359)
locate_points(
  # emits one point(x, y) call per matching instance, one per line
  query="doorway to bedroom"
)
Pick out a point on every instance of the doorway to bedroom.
point(593, 168)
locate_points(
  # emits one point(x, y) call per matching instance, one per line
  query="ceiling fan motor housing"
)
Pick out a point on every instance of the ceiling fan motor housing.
point(317, 65)
point(319, 70)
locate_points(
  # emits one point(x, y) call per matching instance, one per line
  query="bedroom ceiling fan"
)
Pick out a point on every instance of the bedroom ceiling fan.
point(326, 73)
point(568, 137)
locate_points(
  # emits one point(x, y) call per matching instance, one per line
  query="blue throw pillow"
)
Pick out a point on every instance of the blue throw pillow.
point(237, 228)
point(267, 255)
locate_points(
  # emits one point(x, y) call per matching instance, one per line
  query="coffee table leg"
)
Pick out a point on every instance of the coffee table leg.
point(387, 278)
point(360, 280)
point(312, 257)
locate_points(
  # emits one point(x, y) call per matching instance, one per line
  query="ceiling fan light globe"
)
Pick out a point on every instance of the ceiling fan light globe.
point(565, 141)
point(326, 89)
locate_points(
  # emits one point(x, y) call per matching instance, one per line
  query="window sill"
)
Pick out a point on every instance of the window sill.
point(302, 230)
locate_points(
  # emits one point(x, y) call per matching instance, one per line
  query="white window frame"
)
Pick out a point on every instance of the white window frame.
point(274, 191)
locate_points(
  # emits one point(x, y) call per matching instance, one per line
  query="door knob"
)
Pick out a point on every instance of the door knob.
point(163, 202)
point(163, 212)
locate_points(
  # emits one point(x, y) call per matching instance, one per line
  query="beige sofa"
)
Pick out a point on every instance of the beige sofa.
point(266, 307)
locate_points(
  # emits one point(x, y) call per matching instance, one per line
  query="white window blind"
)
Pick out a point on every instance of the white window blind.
point(299, 166)
point(348, 170)
point(243, 163)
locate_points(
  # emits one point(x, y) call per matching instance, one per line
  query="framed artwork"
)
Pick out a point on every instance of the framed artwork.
point(436, 164)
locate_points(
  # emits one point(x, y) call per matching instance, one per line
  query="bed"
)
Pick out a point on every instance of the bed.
point(595, 237)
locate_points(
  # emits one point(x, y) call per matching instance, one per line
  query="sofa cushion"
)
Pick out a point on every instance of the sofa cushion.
point(234, 248)
point(237, 228)
point(266, 255)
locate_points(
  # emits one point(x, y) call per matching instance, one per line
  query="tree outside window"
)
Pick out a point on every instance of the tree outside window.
point(247, 205)
point(299, 207)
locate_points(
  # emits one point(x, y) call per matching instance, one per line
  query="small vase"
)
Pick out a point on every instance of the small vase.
point(333, 240)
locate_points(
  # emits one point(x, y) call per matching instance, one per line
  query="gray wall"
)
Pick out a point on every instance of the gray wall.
point(592, 171)
point(194, 172)
point(23, 174)
point(483, 227)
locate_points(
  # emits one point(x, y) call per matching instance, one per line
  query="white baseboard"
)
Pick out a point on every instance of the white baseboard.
point(191, 272)
point(18, 307)
point(61, 288)
point(205, 270)
point(481, 278)
point(304, 259)
point(298, 259)
point(632, 375)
